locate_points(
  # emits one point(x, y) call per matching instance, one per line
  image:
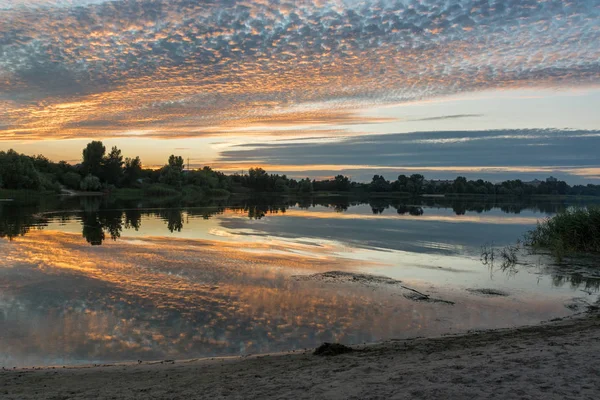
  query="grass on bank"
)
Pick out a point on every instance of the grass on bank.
point(571, 231)
point(22, 194)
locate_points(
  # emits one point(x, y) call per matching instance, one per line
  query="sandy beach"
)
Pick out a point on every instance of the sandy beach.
point(554, 360)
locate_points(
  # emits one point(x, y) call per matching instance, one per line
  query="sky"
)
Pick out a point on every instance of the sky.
point(491, 89)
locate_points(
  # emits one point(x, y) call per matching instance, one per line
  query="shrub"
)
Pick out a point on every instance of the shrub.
point(72, 180)
point(90, 183)
point(47, 182)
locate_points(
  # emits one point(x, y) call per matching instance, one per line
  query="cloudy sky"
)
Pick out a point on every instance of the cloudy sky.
point(484, 88)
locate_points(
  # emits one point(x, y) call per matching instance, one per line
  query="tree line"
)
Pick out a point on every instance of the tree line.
point(102, 170)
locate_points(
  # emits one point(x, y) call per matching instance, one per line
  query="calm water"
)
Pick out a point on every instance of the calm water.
point(87, 280)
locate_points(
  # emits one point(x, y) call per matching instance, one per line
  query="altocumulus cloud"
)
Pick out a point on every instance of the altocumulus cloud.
point(181, 67)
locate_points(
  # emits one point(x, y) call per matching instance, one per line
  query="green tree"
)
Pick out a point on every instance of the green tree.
point(176, 162)
point(18, 172)
point(93, 157)
point(417, 184)
point(305, 186)
point(258, 179)
point(281, 185)
point(44, 165)
point(400, 184)
point(379, 184)
point(112, 168)
point(342, 183)
point(133, 170)
point(460, 184)
point(172, 173)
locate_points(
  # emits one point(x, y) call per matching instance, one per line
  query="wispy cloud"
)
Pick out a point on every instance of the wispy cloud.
point(569, 152)
point(445, 117)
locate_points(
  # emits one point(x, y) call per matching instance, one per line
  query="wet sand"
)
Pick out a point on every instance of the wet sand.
point(555, 360)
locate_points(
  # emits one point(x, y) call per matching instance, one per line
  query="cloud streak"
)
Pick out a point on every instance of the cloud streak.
point(182, 67)
point(508, 152)
point(446, 117)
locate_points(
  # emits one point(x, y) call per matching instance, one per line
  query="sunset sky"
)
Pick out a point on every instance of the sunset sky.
point(489, 89)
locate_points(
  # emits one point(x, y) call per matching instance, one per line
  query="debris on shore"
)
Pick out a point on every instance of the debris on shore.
point(487, 292)
point(370, 280)
point(341, 276)
point(332, 349)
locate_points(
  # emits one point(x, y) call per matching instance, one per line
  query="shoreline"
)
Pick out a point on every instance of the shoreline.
point(138, 193)
point(549, 360)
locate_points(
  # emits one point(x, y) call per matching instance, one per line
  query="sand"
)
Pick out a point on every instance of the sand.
point(555, 360)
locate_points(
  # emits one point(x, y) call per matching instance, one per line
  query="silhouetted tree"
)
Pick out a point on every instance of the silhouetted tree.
point(379, 184)
point(258, 179)
point(460, 184)
point(415, 184)
point(342, 183)
point(305, 186)
point(133, 170)
point(172, 173)
point(112, 168)
point(93, 155)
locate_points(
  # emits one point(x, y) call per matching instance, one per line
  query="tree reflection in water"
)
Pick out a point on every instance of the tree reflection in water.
point(103, 217)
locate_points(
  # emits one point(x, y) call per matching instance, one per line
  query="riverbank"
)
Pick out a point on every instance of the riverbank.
point(548, 361)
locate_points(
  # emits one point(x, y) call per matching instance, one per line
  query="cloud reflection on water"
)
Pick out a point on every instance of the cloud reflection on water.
point(187, 282)
point(182, 298)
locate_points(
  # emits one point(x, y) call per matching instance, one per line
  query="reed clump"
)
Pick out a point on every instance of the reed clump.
point(572, 231)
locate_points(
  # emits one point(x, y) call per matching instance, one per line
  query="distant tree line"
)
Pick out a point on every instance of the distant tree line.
point(102, 170)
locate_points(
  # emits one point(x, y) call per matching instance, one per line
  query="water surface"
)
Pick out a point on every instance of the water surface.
point(90, 280)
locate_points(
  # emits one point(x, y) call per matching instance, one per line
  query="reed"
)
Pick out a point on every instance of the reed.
point(571, 231)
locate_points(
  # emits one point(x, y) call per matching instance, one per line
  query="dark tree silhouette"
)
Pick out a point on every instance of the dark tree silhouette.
point(133, 171)
point(112, 168)
point(93, 156)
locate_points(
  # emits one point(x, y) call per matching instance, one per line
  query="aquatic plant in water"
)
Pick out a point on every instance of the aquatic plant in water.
point(572, 231)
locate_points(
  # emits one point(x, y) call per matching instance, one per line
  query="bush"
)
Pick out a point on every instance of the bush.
point(47, 182)
point(90, 183)
point(571, 231)
point(72, 180)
